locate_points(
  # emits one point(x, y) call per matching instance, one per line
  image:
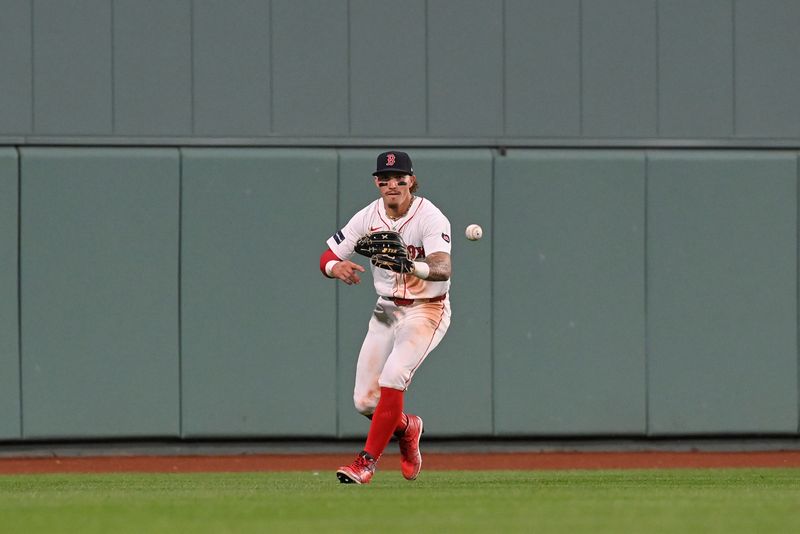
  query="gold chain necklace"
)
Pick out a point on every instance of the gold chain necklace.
point(404, 212)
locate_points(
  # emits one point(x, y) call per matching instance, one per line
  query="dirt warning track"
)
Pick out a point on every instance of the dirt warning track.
point(432, 461)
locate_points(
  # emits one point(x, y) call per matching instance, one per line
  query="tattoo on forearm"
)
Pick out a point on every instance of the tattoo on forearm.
point(439, 263)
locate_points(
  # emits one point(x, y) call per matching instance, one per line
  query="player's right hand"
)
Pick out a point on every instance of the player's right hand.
point(347, 272)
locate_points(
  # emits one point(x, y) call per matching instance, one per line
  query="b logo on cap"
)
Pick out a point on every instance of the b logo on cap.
point(390, 159)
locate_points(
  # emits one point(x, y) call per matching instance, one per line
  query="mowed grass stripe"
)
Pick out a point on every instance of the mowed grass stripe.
point(676, 500)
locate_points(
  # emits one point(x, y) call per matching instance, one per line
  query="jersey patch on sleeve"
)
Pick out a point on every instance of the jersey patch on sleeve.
point(338, 237)
point(445, 237)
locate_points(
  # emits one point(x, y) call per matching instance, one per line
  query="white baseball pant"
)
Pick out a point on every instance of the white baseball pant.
point(398, 340)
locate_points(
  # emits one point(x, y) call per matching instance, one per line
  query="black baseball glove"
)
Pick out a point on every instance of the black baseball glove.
point(386, 250)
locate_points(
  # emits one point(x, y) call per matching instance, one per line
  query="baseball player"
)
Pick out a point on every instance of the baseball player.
point(408, 241)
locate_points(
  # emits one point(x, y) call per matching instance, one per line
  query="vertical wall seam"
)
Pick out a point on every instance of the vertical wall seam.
point(580, 68)
point(492, 310)
point(733, 67)
point(349, 74)
point(191, 68)
point(113, 74)
point(797, 283)
point(271, 68)
point(427, 72)
point(503, 80)
point(658, 69)
point(19, 290)
point(33, 70)
point(336, 337)
point(646, 279)
point(180, 293)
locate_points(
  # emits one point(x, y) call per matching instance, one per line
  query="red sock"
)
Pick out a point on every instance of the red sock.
point(388, 414)
point(400, 429)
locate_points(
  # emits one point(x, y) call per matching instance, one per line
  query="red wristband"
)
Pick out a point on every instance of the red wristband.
point(327, 256)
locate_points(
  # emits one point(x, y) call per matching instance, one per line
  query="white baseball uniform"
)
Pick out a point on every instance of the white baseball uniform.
point(411, 315)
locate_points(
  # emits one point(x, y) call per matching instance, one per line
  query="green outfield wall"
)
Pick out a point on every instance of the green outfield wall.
point(170, 172)
point(450, 72)
point(176, 293)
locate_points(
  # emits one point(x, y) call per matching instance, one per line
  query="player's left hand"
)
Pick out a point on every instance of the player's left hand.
point(399, 264)
point(386, 242)
point(386, 250)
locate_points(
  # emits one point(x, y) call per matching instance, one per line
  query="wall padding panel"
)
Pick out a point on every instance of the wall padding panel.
point(455, 389)
point(722, 292)
point(356, 302)
point(231, 51)
point(16, 65)
point(309, 73)
point(152, 67)
point(452, 388)
point(465, 68)
point(568, 300)
point(695, 68)
point(619, 78)
point(9, 302)
point(99, 270)
point(378, 106)
point(258, 318)
point(767, 71)
point(543, 69)
point(73, 96)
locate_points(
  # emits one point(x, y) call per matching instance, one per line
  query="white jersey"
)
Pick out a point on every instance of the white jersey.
point(424, 229)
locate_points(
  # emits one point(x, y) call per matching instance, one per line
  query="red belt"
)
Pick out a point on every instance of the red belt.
point(409, 302)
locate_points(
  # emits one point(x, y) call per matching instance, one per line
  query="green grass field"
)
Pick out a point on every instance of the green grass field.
point(718, 500)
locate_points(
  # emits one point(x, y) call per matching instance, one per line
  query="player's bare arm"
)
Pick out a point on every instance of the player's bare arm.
point(439, 263)
point(347, 272)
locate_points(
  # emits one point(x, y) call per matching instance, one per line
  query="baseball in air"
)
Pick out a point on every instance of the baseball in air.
point(474, 232)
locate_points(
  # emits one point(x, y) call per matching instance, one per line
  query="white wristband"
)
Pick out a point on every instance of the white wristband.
point(329, 267)
point(421, 269)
